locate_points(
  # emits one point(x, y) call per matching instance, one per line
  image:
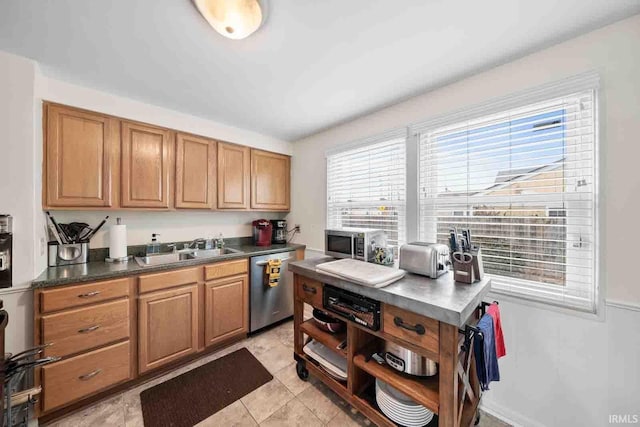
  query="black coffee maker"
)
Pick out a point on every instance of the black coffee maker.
point(6, 246)
point(279, 235)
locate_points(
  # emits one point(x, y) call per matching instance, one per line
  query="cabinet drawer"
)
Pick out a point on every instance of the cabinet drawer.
point(411, 327)
point(77, 330)
point(169, 279)
point(75, 378)
point(309, 291)
point(225, 269)
point(78, 295)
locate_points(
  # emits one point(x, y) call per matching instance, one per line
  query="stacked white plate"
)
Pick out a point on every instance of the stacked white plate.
point(400, 408)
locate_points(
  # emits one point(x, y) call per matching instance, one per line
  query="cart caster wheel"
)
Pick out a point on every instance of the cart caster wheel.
point(302, 371)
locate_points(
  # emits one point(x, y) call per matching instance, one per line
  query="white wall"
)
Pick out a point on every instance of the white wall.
point(17, 189)
point(22, 90)
point(561, 369)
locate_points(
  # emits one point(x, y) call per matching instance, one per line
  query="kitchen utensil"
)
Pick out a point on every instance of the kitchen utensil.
point(55, 233)
point(427, 259)
point(327, 322)
point(407, 361)
point(57, 226)
point(95, 230)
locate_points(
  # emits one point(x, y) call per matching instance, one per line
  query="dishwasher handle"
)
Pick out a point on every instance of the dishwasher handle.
point(263, 263)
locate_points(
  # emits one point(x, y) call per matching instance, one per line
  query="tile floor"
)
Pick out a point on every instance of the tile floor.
point(284, 401)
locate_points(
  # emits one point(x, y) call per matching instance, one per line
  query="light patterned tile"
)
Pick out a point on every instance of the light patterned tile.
point(271, 353)
point(107, 413)
point(293, 414)
point(487, 420)
point(132, 408)
point(289, 377)
point(350, 417)
point(267, 399)
point(323, 402)
point(234, 415)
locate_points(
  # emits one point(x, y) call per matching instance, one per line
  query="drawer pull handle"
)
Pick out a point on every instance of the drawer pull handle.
point(89, 329)
point(418, 328)
point(309, 289)
point(90, 375)
point(89, 294)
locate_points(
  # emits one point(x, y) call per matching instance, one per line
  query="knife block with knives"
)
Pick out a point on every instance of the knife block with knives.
point(466, 259)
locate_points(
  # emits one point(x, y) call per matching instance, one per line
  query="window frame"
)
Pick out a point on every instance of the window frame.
point(400, 133)
point(589, 80)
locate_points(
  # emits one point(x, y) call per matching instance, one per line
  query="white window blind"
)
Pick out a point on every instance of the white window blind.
point(524, 182)
point(366, 187)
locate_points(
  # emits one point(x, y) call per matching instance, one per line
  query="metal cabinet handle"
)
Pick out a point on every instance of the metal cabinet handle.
point(418, 328)
point(89, 329)
point(90, 375)
point(262, 263)
point(309, 289)
point(89, 294)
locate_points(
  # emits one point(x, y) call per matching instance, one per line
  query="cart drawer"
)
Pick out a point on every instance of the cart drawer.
point(411, 327)
point(73, 331)
point(78, 377)
point(309, 291)
point(78, 295)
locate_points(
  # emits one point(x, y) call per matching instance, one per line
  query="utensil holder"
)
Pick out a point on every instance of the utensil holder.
point(468, 271)
point(68, 254)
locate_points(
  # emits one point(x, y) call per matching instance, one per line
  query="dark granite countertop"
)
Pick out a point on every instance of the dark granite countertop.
point(100, 270)
point(442, 299)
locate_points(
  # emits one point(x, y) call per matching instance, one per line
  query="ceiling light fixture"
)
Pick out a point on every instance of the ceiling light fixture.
point(235, 19)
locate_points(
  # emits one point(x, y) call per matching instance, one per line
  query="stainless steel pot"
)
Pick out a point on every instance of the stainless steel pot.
point(408, 361)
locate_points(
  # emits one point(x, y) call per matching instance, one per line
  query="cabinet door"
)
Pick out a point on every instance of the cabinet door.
point(167, 326)
point(79, 156)
point(226, 308)
point(195, 172)
point(233, 176)
point(270, 180)
point(146, 168)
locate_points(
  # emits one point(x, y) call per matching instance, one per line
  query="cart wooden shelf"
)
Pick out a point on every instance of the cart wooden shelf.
point(453, 394)
point(332, 341)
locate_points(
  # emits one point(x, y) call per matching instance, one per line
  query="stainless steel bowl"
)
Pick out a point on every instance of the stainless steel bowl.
point(408, 361)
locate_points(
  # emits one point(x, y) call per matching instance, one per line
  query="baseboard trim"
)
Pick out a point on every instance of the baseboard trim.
point(508, 416)
point(623, 305)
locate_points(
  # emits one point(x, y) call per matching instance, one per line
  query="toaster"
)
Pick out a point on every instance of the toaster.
point(427, 259)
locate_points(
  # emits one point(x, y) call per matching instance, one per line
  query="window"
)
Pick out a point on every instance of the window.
point(523, 181)
point(366, 187)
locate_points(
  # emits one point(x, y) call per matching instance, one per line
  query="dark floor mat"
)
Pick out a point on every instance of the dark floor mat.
point(186, 400)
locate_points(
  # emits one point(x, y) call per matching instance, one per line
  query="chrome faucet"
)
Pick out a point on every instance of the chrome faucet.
point(195, 242)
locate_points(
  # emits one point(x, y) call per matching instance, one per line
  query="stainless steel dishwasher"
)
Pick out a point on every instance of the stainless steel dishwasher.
point(269, 305)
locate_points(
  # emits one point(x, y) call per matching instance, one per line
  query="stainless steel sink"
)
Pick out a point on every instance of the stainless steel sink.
point(183, 255)
point(210, 253)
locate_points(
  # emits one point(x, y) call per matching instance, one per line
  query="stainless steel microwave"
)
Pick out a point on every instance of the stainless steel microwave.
point(357, 243)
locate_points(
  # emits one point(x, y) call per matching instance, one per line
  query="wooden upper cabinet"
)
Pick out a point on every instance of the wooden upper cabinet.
point(195, 172)
point(147, 154)
point(80, 152)
point(233, 176)
point(270, 180)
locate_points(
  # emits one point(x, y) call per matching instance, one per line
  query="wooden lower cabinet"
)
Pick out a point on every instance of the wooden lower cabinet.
point(226, 308)
point(80, 376)
point(167, 326)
